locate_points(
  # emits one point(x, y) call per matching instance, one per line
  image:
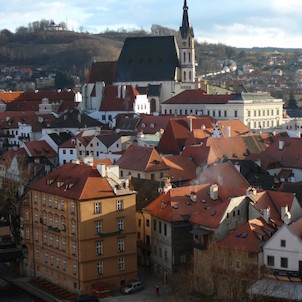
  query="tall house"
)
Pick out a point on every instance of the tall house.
point(186, 48)
point(80, 228)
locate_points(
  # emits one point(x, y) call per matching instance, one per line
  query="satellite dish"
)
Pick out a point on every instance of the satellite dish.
point(160, 190)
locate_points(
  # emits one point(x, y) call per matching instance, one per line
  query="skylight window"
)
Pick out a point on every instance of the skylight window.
point(238, 234)
point(244, 235)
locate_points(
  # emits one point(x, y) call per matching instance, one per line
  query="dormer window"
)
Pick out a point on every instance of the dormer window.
point(143, 125)
point(152, 125)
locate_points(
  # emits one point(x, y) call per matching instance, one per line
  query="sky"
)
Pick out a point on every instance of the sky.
point(239, 23)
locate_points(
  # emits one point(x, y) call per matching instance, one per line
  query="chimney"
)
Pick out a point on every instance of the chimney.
point(190, 124)
point(281, 144)
point(267, 214)
point(168, 185)
point(119, 88)
point(101, 169)
point(124, 89)
point(193, 196)
point(251, 191)
point(214, 192)
point(285, 215)
point(228, 131)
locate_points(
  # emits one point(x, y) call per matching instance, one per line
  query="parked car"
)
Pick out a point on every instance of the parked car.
point(133, 287)
point(85, 298)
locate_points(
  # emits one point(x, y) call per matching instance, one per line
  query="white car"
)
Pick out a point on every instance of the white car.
point(133, 287)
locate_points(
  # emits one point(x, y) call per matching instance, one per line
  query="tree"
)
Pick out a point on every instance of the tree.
point(63, 80)
point(292, 103)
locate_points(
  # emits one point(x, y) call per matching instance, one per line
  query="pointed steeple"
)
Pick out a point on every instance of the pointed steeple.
point(186, 28)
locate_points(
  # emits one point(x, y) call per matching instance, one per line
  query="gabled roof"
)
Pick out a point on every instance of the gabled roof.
point(296, 228)
point(275, 201)
point(40, 149)
point(293, 187)
point(141, 159)
point(60, 138)
point(108, 139)
point(75, 119)
point(111, 101)
point(102, 72)
point(79, 182)
point(198, 96)
point(176, 205)
point(249, 237)
point(237, 127)
point(181, 168)
point(8, 97)
point(148, 59)
point(150, 124)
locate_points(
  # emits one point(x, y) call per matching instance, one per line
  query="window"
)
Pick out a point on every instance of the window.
point(139, 223)
point(36, 215)
point(166, 255)
point(154, 224)
point(283, 243)
point(236, 113)
point(63, 223)
point(248, 113)
point(27, 234)
point(100, 268)
point(50, 219)
point(58, 262)
point(36, 197)
point(64, 265)
point(147, 222)
point(37, 235)
point(73, 227)
point(270, 260)
point(119, 205)
point(44, 200)
point(56, 203)
point(284, 262)
point(120, 224)
point(97, 208)
point(237, 264)
point(46, 257)
point(152, 176)
point(225, 113)
point(63, 244)
point(45, 238)
point(50, 202)
point(72, 208)
point(27, 215)
point(159, 227)
point(121, 264)
point(121, 244)
point(165, 229)
point(57, 242)
point(38, 254)
point(98, 227)
point(74, 268)
point(99, 248)
point(74, 248)
point(62, 205)
point(50, 240)
point(56, 221)
point(70, 151)
point(64, 151)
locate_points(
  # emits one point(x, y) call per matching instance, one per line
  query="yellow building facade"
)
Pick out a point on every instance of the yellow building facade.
point(81, 229)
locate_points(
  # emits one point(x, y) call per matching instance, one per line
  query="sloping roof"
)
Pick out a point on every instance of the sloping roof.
point(108, 139)
point(181, 168)
point(60, 138)
point(198, 96)
point(40, 149)
point(75, 119)
point(86, 183)
point(141, 159)
point(111, 101)
point(102, 72)
point(247, 237)
point(200, 154)
point(150, 124)
point(295, 187)
point(148, 59)
point(237, 127)
point(275, 201)
point(8, 97)
point(296, 228)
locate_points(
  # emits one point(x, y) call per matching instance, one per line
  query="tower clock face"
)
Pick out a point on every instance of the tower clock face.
point(184, 43)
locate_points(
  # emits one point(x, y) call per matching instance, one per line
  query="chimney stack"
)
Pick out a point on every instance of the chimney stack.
point(214, 192)
point(267, 214)
point(124, 88)
point(228, 131)
point(119, 88)
point(281, 144)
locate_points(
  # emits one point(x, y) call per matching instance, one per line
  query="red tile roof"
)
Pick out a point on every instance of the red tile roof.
point(111, 102)
point(275, 200)
point(237, 127)
point(8, 97)
point(79, 182)
point(39, 149)
point(139, 158)
point(296, 228)
point(198, 96)
point(249, 237)
point(150, 124)
point(181, 168)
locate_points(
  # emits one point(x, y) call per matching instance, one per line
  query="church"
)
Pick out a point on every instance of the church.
point(157, 66)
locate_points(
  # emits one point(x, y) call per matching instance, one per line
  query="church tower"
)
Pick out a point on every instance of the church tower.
point(186, 48)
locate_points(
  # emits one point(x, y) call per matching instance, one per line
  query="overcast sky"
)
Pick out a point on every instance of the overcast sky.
point(240, 23)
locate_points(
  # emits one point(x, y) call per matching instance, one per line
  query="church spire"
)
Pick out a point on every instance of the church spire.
point(186, 28)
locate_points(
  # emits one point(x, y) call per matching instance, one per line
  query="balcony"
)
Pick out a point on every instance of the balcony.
point(24, 138)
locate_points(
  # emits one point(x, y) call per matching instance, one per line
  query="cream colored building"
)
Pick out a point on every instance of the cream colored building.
point(80, 228)
point(258, 111)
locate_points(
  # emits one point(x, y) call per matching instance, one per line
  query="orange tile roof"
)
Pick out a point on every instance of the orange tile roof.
point(256, 232)
point(296, 228)
point(275, 200)
point(200, 154)
point(181, 168)
point(237, 127)
point(157, 122)
point(139, 158)
point(8, 97)
point(84, 182)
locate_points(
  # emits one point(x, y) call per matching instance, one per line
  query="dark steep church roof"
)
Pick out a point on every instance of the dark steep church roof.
point(148, 59)
point(102, 72)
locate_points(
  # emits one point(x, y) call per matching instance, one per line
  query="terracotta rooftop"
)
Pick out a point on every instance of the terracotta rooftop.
point(296, 228)
point(40, 149)
point(249, 237)
point(150, 124)
point(8, 97)
point(141, 159)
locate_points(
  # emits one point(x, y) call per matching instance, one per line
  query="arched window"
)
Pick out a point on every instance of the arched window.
point(189, 41)
point(189, 57)
point(185, 76)
point(190, 75)
point(184, 57)
point(153, 105)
